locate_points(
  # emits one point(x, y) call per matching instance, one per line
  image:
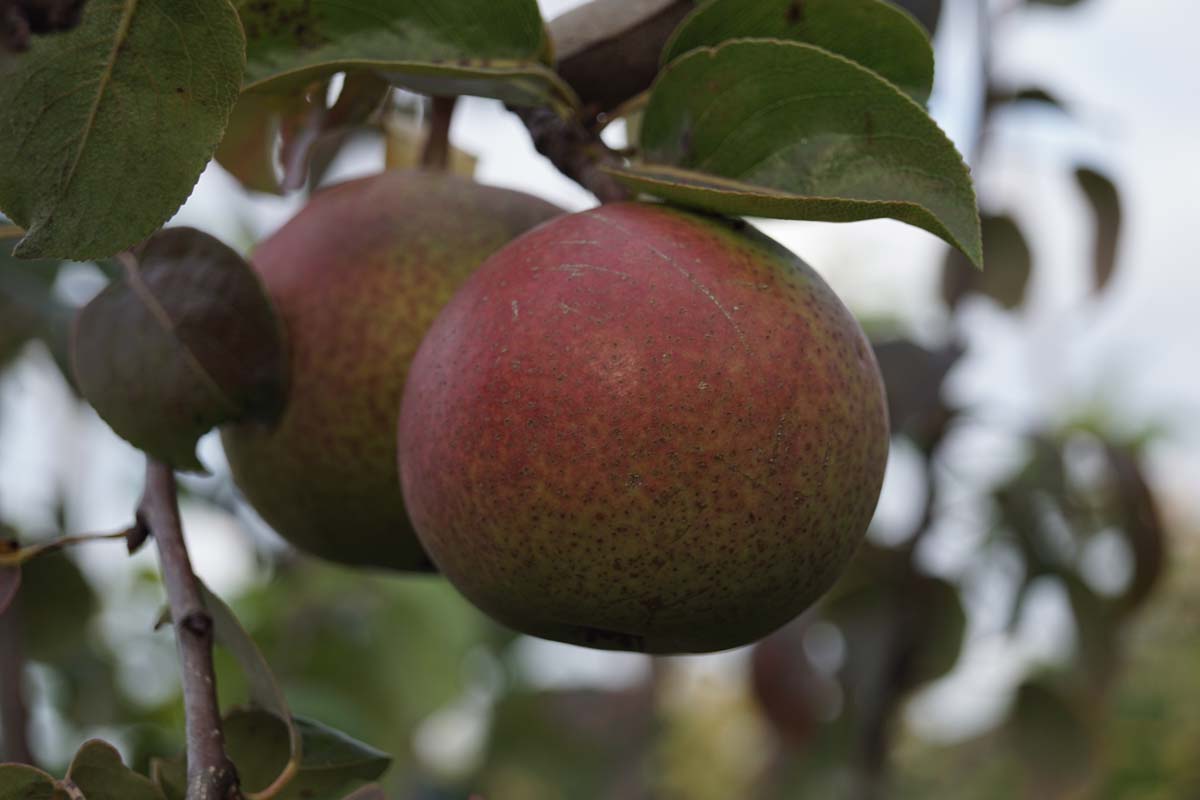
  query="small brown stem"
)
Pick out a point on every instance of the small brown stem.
point(436, 154)
point(578, 152)
point(15, 558)
point(14, 715)
point(211, 775)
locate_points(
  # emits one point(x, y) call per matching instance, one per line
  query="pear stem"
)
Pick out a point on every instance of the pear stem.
point(436, 154)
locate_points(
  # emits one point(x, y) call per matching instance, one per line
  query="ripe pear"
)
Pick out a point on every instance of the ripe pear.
point(643, 428)
point(357, 277)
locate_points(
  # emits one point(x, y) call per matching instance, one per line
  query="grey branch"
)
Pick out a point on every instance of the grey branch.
point(211, 775)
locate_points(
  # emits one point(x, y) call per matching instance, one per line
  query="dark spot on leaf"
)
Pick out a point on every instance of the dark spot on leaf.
point(795, 12)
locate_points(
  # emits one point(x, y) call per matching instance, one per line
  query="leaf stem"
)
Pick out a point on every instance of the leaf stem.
point(211, 775)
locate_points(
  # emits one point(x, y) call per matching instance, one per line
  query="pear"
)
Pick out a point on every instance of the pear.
point(646, 429)
point(357, 277)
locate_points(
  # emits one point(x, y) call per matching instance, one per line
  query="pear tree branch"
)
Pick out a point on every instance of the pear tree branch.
point(211, 775)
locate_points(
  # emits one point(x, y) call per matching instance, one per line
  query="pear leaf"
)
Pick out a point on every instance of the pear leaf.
point(97, 771)
point(492, 48)
point(787, 130)
point(184, 341)
point(107, 127)
point(874, 33)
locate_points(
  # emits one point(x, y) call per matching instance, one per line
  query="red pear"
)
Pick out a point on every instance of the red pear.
point(643, 428)
point(358, 277)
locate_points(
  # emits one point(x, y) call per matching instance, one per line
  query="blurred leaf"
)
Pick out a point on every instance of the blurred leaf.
point(264, 689)
point(1141, 524)
point(170, 776)
point(1051, 736)
point(1009, 264)
point(247, 152)
point(491, 48)
point(913, 377)
point(22, 782)
point(608, 52)
point(567, 743)
point(29, 309)
point(362, 94)
point(73, 175)
point(57, 606)
point(1105, 203)
point(257, 743)
point(362, 98)
point(792, 695)
point(1028, 94)
point(362, 652)
point(186, 341)
point(876, 34)
point(902, 628)
point(1095, 629)
point(333, 763)
point(371, 791)
point(927, 12)
point(98, 772)
point(788, 130)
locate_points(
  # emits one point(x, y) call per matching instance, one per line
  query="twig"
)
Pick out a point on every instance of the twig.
point(131, 535)
point(211, 775)
point(436, 153)
point(576, 151)
point(14, 715)
point(608, 52)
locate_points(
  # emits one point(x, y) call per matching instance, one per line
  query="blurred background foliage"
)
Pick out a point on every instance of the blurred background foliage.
point(837, 704)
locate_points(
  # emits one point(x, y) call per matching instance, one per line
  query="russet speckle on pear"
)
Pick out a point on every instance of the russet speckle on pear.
point(643, 428)
point(357, 277)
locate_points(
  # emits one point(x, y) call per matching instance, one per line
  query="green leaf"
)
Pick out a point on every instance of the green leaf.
point(187, 340)
point(257, 743)
point(98, 772)
point(1105, 203)
point(170, 776)
point(874, 33)
point(29, 308)
point(492, 48)
point(264, 688)
point(1009, 260)
point(107, 127)
point(791, 131)
point(372, 791)
point(22, 782)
